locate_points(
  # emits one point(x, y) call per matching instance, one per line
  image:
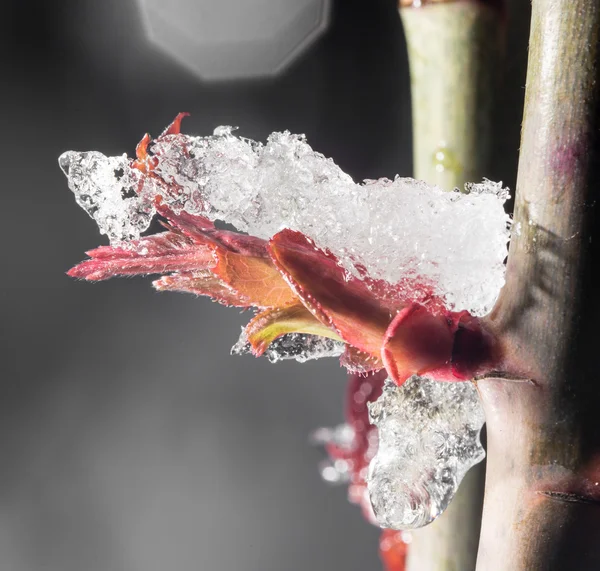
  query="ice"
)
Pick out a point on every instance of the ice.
point(388, 229)
point(298, 346)
point(105, 188)
point(428, 439)
point(302, 348)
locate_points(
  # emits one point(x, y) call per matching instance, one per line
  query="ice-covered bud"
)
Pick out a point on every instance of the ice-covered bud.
point(390, 272)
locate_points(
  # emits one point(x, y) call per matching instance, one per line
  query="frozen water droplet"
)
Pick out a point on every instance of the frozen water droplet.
point(242, 345)
point(64, 161)
point(517, 228)
point(428, 439)
point(445, 159)
point(224, 130)
point(298, 346)
point(302, 348)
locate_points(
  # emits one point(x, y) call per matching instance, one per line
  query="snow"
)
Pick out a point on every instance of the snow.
point(386, 229)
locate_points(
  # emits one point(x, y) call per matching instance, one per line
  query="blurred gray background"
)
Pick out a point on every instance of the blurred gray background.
point(130, 440)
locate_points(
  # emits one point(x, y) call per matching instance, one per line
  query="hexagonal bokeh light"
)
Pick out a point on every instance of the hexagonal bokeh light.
point(234, 39)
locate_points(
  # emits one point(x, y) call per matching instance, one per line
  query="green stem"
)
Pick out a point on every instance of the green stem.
point(450, 542)
point(454, 51)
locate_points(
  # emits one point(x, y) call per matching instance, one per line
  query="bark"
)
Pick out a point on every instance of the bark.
point(454, 51)
point(542, 499)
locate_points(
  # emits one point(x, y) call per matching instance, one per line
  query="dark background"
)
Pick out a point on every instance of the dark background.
point(129, 438)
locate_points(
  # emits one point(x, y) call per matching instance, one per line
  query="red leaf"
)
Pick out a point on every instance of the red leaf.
point(175, 127)
point(275, 322)
point(475, 349)
point(361, 390)
point(393, 550)
point(342, 303)
point(202, 230)
point(201, 283)
point(414, 341)
point(357, 361)
point(158, 254)
point(417, 342)
point(255, 279)
point(141, 153)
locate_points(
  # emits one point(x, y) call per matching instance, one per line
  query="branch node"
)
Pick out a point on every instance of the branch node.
point(566, 497)
point(506, 377)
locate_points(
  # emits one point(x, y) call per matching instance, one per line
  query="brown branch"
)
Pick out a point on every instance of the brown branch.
point(544, 439)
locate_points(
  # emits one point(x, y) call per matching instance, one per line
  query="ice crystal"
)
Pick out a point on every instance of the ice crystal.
point(298, 346)
point(388, 229)
point(105, 188)
point(428, 439)
point(302, 348)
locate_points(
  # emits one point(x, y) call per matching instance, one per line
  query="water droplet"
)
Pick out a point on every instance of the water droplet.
point(445, 159)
